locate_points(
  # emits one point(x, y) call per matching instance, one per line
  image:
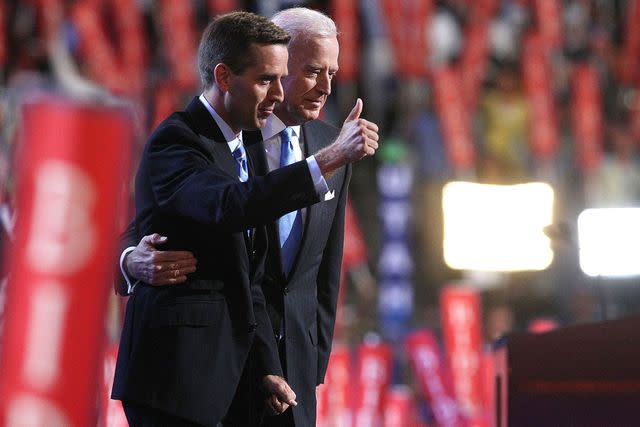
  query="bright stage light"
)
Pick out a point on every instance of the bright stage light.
point(609, 241)
point(497, 227)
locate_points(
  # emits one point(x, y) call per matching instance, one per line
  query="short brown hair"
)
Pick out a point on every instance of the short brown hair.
point(227, 39)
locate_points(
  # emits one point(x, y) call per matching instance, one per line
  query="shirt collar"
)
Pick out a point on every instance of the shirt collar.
point(228, 134)
point(274, 126)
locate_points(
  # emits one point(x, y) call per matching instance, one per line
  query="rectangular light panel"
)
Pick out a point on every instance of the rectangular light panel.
point(609, 241)
point(497, 227)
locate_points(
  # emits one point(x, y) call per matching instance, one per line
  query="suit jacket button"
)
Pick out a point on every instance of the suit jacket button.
point(252, 327)
point(285, 290)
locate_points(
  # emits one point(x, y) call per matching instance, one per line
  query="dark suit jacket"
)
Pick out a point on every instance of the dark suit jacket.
point(183, 348)
point(306, 300)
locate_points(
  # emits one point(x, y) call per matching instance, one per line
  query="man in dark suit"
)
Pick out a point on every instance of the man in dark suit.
point(184, 348)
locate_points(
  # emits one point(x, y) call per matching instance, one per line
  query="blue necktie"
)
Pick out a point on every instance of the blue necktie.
point(241, 162)
point(289, 225)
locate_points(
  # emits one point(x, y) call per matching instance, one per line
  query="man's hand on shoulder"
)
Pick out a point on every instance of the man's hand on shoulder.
point(279, 394)
point(159, 268)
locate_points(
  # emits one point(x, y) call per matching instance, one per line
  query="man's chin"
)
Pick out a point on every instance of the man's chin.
point(309, 115)
point(297, 116)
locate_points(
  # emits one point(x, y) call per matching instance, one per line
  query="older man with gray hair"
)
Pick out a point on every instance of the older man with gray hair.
point(303, 268)
point(301, 288)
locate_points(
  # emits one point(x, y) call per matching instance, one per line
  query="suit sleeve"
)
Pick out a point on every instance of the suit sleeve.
point(127, 239)
point(329, 281)
point(264, 349)
point(186, 182)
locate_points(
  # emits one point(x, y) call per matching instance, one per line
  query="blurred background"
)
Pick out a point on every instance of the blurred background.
point(492, 92)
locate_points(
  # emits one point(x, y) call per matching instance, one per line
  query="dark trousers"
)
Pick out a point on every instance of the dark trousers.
point(282, 420)
point(144, 416)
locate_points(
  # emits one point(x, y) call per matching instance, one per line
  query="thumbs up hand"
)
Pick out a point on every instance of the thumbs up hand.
point(355, 111)
point(358, 138)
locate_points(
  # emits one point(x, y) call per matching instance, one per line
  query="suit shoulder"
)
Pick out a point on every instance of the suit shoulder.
point(175, 128)
point(322, 128)
point(177, 122)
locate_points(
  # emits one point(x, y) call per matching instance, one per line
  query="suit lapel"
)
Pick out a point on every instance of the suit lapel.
point(311, 144)
point(258, 161)
point(213, 140)
point(211, 137)
point(255, 152)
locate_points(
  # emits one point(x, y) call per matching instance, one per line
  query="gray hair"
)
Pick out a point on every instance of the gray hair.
point(305, 22)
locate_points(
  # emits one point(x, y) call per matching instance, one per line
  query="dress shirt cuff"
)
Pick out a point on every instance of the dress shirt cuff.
point(126, 252)
point(319, 182)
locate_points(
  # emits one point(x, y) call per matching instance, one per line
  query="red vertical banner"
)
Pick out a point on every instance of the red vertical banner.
point(354, 255)
point(454, 118)
point(119, 66)
point(417, 13)
point(475, 52)
point(334, 406)
point(112, 414)
point(462, 332)
point(322, 405)
point(629, 57)
point(393, 13)
point(133, 43)
point(587, 120)
point(74, 160)
point(374, 376)
point(52, 14)
point(218, 7)
point(355, 247)
point(345, 14)
point(180, 42)
point(165, 102)
point(434, 377)
point(489, 385)
point(96, 48)
point(120, 70)
point(537, 76)
point(483, 9)
point(407, 29)
point(548, 15)
point(474, 61)
point(400, 408)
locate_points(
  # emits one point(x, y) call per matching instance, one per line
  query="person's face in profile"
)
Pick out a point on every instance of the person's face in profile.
point(252, 94)
point(313, 62)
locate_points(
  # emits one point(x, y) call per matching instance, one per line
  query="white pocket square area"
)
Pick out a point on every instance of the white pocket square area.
point(329, 195)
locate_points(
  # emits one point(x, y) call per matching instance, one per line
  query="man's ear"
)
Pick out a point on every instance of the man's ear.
point(222, 74)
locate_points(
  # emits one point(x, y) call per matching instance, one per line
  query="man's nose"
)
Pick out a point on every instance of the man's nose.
point(323, 84)
point(276, 92)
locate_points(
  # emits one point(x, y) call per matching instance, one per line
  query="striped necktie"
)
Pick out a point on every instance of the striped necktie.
point(289, 225)
point(241, 162)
